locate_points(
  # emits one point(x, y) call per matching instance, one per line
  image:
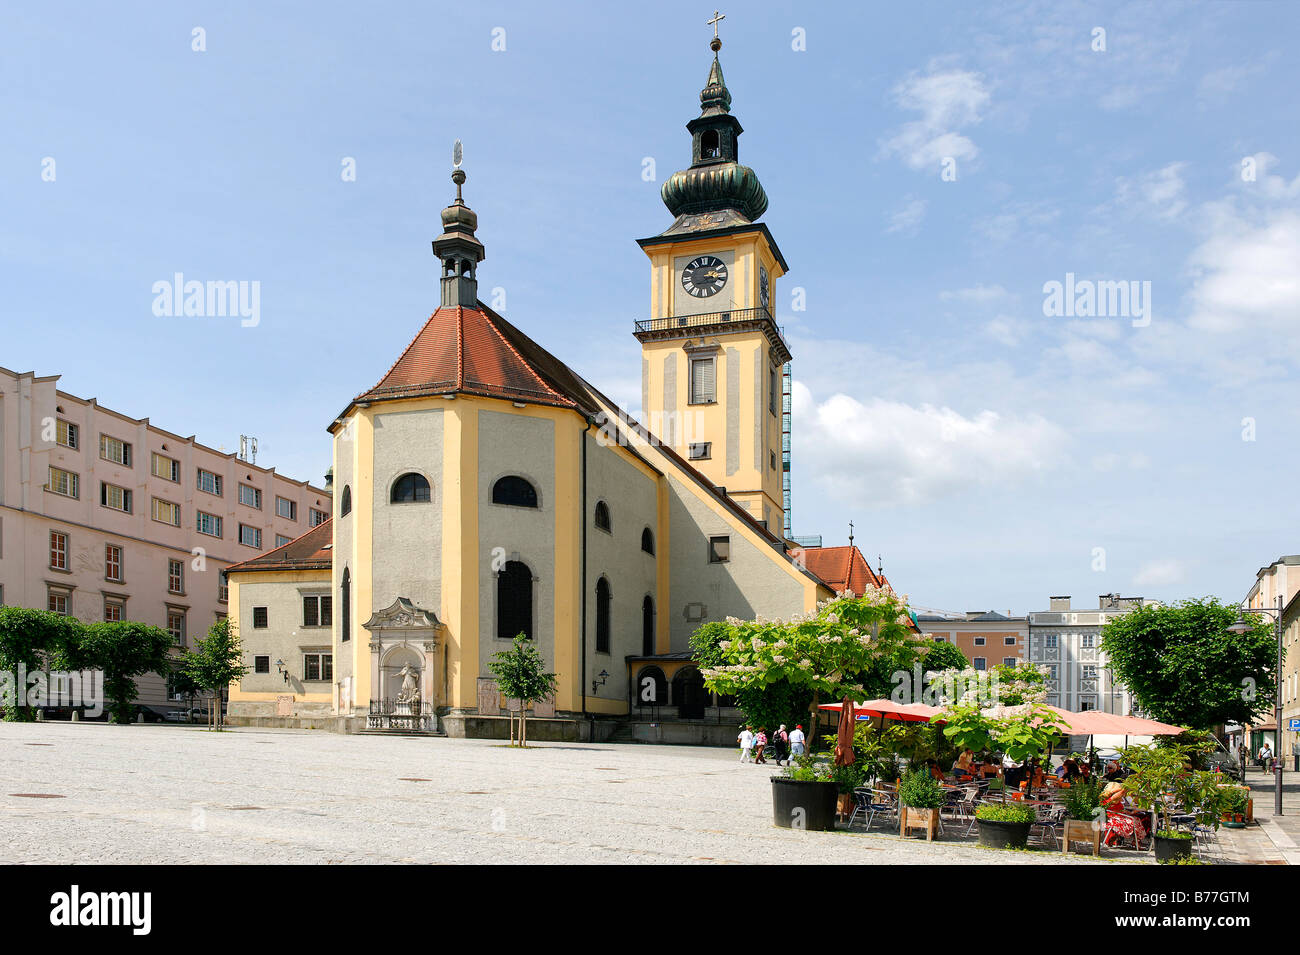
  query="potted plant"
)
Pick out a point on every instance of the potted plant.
point(804, 796)
point(919, 796)
point(1161, 777)
point(1085, 817)
point(1005, 825)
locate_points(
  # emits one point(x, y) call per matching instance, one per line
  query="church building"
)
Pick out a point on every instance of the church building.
point(483, 489)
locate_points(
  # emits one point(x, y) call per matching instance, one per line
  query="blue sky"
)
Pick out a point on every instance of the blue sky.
point(992, 453)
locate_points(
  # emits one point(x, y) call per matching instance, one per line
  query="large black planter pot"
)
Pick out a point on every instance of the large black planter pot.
point(1004, 835)
point(1167, 849)
point(800, 804)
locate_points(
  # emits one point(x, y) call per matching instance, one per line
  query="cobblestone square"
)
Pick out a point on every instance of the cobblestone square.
point(175, 794)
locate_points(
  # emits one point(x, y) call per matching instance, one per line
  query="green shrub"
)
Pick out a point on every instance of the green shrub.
point(1183, 860)
point(1083, 799)
point(1173, 834)
point(1234, 799)
point(920, 790)
point(1006, 812)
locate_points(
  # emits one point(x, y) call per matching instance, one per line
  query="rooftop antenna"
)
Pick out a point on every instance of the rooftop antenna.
point(850, 533)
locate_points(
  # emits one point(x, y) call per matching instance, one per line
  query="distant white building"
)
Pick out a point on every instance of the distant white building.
point(1068, 643)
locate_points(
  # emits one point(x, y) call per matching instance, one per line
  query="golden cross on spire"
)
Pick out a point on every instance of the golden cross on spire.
point(714, 22)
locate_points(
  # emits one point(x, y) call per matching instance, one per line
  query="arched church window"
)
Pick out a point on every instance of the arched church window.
point(345, 506)
point(602, 516)
point(345, 601)
point(648, 627)
point(410, 488)
point(709, 145)
point(648, 541)
point(514, 601)
point(602, 615)
point(515, 491)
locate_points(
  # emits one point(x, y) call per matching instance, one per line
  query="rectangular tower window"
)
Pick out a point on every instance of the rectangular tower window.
point(703, 390)
point(701, 451)
point(719, 550)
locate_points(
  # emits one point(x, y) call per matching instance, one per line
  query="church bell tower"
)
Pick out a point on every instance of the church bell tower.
point(713, 359)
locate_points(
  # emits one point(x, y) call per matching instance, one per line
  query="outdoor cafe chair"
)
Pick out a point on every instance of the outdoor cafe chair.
point(1048, 820)
point(871, 803)
point(962, 809)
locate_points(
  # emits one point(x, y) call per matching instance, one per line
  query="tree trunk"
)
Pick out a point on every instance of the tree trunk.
point(523, 725)
point(812, 724)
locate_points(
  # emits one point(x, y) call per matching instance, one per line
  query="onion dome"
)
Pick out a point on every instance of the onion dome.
point(716, 182)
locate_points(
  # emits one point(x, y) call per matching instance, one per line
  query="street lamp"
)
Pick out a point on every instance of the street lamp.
point(1240, 626)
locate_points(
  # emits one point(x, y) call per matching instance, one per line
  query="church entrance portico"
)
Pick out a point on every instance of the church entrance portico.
point(403, 655)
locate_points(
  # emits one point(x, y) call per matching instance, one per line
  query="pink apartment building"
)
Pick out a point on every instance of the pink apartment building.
point(106, 517)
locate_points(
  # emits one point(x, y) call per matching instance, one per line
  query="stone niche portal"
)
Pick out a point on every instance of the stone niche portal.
point(403, 644)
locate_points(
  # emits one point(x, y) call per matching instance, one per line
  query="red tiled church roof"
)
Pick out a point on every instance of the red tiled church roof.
point(841, 568)
point(311, 551)
point(469, 351)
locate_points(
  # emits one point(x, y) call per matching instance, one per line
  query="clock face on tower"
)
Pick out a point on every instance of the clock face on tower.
point(704, 275)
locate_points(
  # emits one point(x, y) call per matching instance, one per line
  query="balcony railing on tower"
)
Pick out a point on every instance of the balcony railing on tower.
point(675, 326)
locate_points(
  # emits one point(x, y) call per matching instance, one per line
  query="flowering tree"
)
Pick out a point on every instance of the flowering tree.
point(825, 651)
point(1024, 683)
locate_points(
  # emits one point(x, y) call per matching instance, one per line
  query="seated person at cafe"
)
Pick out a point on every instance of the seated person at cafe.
point(964, 764)
point(1069, 770)
point(1113, 772)
point(935, 770)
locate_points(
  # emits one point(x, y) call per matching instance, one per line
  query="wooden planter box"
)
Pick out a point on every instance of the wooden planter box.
point(1081, 830)
point(927, 819)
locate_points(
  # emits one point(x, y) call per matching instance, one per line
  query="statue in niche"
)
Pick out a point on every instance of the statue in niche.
point(410, 691)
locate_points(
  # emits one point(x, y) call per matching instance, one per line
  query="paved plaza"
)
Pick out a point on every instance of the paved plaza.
point(178, 794)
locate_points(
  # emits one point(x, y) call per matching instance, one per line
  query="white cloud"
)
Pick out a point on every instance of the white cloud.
point(1005, 329)
point(885, 452)
point(1247, 279)
point(978, 293)
point(907, 219)
point(1160, 573)
point(1161, 193)
point(947, 100)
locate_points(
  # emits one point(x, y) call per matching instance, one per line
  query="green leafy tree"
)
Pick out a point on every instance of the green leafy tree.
point(521, 675)
point(123, 650)
point(1161, 772)
point(29, 639)
point(823, 652)
point(215, 662)
point(768, 705)
point(944, 656)
point(1183, 666)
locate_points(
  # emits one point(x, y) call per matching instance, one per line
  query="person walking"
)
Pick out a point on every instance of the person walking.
point(796, 742)
point(746, 740)
point(760, 744)
point(781, 745)
point(1265, 757)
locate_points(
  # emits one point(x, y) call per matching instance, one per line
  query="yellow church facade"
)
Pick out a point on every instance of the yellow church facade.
point(483, 489)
